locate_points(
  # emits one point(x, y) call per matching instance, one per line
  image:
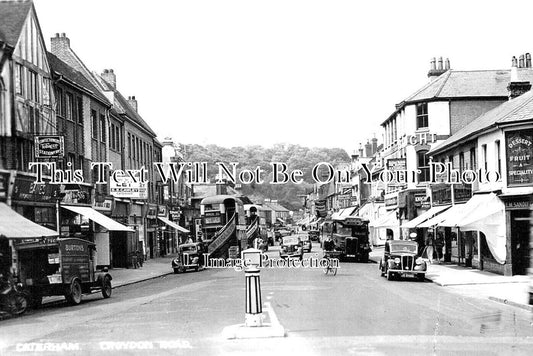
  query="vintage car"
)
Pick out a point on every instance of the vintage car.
point(306, 241)
point(401, 259)
point(314, 235)
point(189, 257)
point(291, 246)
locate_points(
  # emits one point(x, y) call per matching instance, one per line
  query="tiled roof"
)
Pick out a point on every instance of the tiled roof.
point(62, 68)
point(516, 110)
point(128, 110)
point(12, 17)
point(466, 84)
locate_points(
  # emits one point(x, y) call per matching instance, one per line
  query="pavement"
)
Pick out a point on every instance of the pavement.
point(511, 290)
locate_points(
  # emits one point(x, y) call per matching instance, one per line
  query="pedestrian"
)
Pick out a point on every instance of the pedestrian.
point(430, 246)
point(140, 258)
point(439, 245)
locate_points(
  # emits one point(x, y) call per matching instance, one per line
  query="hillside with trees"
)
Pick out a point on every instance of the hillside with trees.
point(251, 157)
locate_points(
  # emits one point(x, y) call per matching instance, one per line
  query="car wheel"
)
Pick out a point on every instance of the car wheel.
point(390, 276)
point(176, 270)
point(74, 294)
point(106, 288)
point(421, 277)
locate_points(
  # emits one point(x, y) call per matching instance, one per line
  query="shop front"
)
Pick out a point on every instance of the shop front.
point(518, 208)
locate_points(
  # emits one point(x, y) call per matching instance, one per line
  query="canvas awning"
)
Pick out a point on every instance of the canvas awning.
point(173, 224)
point(16, 226)
point(425, 216)
point(280, 220)
point(98, 218)
point(387, 221)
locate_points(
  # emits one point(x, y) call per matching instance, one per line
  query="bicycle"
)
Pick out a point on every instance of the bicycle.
point(331, 267)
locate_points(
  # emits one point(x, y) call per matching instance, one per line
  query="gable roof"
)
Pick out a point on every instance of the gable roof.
point(124, 105)
point(13, 14)
point(517, 110)
point(455, 84)
point(63, 69)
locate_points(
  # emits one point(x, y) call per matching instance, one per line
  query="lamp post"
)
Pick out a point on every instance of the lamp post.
point(254, 310)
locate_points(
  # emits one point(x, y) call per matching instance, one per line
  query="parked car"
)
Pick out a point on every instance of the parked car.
point(291, 246)
point(401, 259)
point(281, 232)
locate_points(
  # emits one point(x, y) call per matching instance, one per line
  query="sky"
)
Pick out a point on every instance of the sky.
point(313, 73)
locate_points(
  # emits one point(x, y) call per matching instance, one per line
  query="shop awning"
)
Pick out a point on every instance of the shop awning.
point(387, 221)
point(425, 216)
point(484, 213)
point(98, 218)
point(436, 220)
point(173, 224)
point(280, 220)
point(16, 226)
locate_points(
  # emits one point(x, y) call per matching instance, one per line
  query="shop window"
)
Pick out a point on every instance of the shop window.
point(422, 115)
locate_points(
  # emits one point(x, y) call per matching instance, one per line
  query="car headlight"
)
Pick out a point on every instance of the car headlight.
point(397, 260)
point(419, 261)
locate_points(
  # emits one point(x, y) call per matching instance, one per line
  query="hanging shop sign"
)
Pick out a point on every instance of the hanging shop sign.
point(127, 187)
point(49, 146)
point(519, 150)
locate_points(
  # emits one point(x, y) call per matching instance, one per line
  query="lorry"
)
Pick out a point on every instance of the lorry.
point(61, 266)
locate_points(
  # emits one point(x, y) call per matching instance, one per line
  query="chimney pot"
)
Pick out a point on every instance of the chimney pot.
point(63, 34)
point(447, 64)
point(521, 61)
point(440, 63)
point(528, 60)
point(109, 77)
point(432, 65)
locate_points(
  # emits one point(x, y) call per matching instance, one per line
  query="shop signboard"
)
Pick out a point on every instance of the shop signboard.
point(104, 205)
point(49, 146)
point(442, 193)
point(519, 151)
point(128, 188)
point(25, 189)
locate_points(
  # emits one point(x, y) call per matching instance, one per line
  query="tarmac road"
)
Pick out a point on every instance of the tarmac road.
point(355, 312)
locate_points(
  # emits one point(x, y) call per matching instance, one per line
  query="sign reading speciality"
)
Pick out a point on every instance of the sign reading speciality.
point(49, 146)
point(519, 147)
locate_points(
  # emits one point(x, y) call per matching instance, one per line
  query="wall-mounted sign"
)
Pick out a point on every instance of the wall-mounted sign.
point(25, 189)
point(519, 149)
point(105, 205)
point(49, 146)
point(396, 164)
point(128, 188)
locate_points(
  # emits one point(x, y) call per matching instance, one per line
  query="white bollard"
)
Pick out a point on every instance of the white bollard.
point(254, 305)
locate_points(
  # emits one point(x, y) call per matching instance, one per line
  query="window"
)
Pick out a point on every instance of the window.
point(102, 128)
point(484, 151)
point(498, 157)
point(80, 111)
point(461, 162)
point(450, 159)
point(473, 163)
point(69, 106)
point(46, 91)
point(19, 80)
point(421, 115)
point(72, 159)
point(423, 165)
point(112, 136)
point(119, 143)
point(129, 145)
point(33, 86)
point(94, 121)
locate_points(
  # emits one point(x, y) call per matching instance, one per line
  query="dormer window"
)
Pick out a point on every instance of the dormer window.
point(422, 115)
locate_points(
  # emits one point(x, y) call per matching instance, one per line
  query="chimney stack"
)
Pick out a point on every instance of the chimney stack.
point(59, 44)
point(133, 102)
point(517, 87)
point(436, 69)
point(109, 76)
point(368, 149)
point(374, 146)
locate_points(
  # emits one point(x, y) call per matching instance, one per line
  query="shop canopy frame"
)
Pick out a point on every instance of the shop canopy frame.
point(173, 224)
point(387, 221)
point(99, 218)
point(15, 226)
point(434, 211)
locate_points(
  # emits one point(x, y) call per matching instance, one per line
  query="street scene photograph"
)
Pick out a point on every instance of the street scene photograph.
point(283, 177)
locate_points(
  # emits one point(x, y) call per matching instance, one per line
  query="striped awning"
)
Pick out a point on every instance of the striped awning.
point(98, 218)
point(16, 226)
point(173, 224)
